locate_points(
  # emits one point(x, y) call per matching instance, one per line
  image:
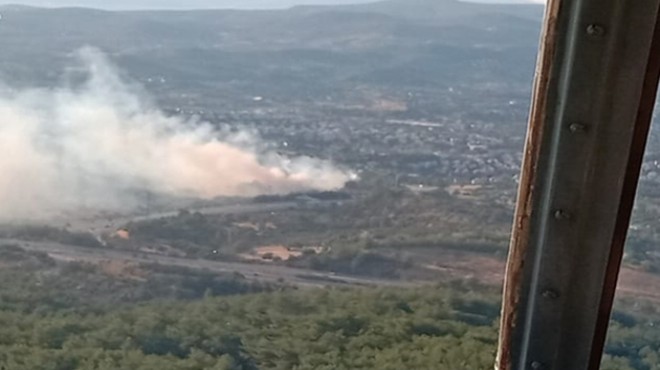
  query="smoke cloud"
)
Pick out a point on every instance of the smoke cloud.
point(95, 144)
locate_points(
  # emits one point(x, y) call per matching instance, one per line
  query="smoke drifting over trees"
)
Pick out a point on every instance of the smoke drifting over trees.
point(93, 144)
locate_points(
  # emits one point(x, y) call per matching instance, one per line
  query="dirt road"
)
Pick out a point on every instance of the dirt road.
point(252, 271)
point(490, 270)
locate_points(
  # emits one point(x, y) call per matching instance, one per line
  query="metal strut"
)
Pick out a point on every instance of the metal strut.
point(595, 89)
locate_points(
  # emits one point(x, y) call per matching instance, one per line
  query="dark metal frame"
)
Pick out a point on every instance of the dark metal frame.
point(595, 90)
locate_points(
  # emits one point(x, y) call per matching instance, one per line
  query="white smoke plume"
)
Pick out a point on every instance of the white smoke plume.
point(92, 145)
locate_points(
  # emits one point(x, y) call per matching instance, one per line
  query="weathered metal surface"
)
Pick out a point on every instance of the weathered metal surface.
point(521, 225)
point(631, 180)
point(594, 94)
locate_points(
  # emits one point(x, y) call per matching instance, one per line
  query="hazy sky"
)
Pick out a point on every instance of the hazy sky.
point(197, 4)
point(178, 4)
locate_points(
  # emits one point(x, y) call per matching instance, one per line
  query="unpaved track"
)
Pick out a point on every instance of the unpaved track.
point(485, 269)
point(490, 270)
point(260, 272)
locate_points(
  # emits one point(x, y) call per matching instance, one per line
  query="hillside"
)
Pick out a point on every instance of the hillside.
point(304, 52)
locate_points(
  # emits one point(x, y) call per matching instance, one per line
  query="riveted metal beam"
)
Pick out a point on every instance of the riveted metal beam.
point(595, 89)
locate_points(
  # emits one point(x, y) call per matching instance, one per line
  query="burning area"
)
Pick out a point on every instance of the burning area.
point(93, 144)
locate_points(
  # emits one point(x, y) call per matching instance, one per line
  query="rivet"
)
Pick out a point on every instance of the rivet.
point(550, 294)
point(536, 365)
point(577, 127)
point(595, 30)
point(560, 214)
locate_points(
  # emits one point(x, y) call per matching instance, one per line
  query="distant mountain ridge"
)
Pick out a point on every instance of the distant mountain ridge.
point(194, 4)
point(305, 52)
point(175, 4)
point(445, 9)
